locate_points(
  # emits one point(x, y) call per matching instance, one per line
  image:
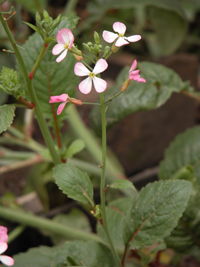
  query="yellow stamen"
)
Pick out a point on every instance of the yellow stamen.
point(66, 46)
point(92, 75)
point(121, 34)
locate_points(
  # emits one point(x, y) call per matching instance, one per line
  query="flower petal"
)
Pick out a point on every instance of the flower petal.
point(133, 38)
point(61, 107)
point(7, 260)
point(141, 80)
point(99, 84)
point(100, 66)
point(134, 65)
point(85, 86)
point(57, 49)
point(3, 233)
point(67, 36)
point(3, 246)
point(58, 98)
point(62, 56)
point(80, 69)
point(109, 37)
point(59, 38)
point(121, 41)
point(119, 27)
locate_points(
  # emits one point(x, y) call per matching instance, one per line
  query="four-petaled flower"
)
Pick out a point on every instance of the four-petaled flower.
point(63, 98)
point(3, 258)
point(65, 41)
point(86, 85)
point(120, 28)
point(134, 74)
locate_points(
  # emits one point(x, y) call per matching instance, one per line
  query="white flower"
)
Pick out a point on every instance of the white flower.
point(3, 258)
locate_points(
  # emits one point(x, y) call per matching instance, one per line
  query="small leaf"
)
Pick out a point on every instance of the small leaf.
point(74, 183)
point(7, 113)
point(122, 184)
point(76, 147)
point(34, 28)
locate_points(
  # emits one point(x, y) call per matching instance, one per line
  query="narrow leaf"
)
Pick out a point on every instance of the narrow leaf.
point(7, 113)
point(76, 147)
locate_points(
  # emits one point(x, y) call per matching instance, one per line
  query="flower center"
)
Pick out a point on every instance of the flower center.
point(92, 75)
point(66, 46)
point(121, 34)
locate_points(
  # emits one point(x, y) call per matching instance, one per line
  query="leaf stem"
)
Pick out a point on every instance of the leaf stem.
point(43, 125)
point(89, 103)
point(102, 185)
point(15, 233)
point(111, 98)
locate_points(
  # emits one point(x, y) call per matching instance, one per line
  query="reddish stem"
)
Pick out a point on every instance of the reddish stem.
point(29, 105)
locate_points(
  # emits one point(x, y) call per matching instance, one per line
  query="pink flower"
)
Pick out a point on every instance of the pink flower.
point(5, 259)
point(65, 41)
point(120, 28)
point(134, 74)
point(3, 233)
point(86, 85)
point(63, 98)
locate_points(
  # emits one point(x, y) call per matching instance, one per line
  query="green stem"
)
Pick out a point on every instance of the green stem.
point(31, 220)
point(88, 66)
point(111, 98)
point(102, 186)
point(43, 126)
point(89, 103)
point(15, 233)
point(84, 55)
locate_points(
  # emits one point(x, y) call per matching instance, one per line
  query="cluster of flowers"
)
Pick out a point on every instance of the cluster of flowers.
point(65, 41)
point(3, 247)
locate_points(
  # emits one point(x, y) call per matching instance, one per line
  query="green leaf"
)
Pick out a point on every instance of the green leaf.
point(170, 29)
point(161, 82)
point(156, 212)
point(33, 27)
point(76, 147)
point(7, 113)
point(32, 5)
point(74, 183)
point(122, 184)
point(91, 254)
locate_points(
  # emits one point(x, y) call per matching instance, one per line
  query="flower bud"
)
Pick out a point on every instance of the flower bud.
point(96, 48)
point(96, 37)
point(106, 51)
point(86, 46)
point(125, 85)
point(114, 48)
point(75, 101)
point(89, 43)
point(46, 15)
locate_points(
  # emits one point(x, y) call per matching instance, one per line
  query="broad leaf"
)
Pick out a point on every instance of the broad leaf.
point(161, 82)
point(122, 184)
point(74, 183)
point(7, 113)
point(156, 212)
point(74, 148)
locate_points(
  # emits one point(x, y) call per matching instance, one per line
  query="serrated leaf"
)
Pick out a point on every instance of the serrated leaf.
point(161, 82)
point(122, 184)
point(74, 183)
point(156, 212)
point(7, 113)
point(74, 148)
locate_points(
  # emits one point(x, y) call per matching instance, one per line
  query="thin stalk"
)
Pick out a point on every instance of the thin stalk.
point(89, 103)
point(194, 95)
point(31, 220)
point(43, 125)
point(102, 185)
point(15, 233)
point(111, 98)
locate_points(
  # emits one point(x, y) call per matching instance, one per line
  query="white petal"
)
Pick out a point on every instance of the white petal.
point(81, 70)
point(109, 37)
point(7, 260)
point(99, 84)
point(100, 66)
point(85, 86)
point(67, 36)
point(59, 38)
point(121, 41)
point(57, 49)
point(119, 27)
point(3, 247)
point(133, 38)
point(62, 56)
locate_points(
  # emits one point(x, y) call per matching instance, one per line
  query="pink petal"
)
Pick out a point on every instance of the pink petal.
point(7, 260)
point(141, 80)
point(57, 49)
point(134, 65)
point(121, 41)
point(100, 66)
point(133, 74)
point(119, 27)
point(58, 98)
point(85, 86)
point(109, 37)
point(62, 56)
point(59, 38)
point(67, 36)
point(3, 234)
point(3, 247)
point(61, 107)
point(99, 84)
point(133, 38)
point(81, 70)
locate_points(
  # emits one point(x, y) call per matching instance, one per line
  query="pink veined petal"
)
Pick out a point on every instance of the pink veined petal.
point(7, 260)
point(141, 80)
point(133, 38)
point(58, 98)
point(121, 41)
point(3, 247)
point(134, 77)
point(85, 86)
point(3, 233)
point(81, 70)
point(62, 56)
point(61, 107)
point(100, 66)
point(134, 65)
point(67, 36)
point(109, 37)
point(133, 73)
point(99, 84)
point(57, 49)
point(119, 27)
point(59, 38)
